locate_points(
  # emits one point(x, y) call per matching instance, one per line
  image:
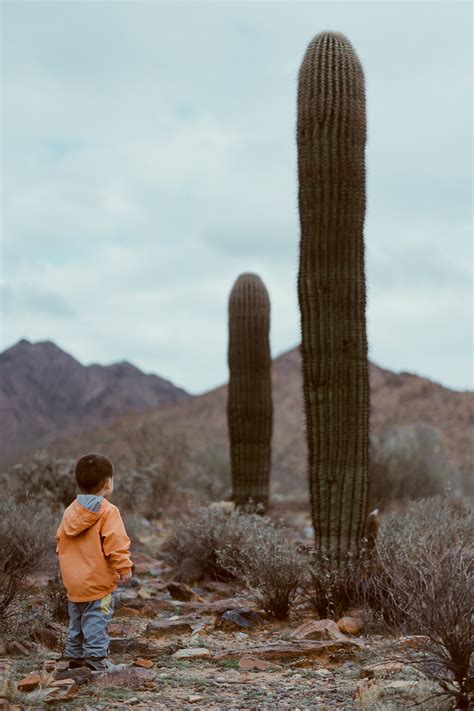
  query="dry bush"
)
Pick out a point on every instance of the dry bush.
point(26, 545)
point(196, 539)
point(409, 462)
point(266, 563)
point(56, 597)
point(41, 481)
point(425, 586)
point(333, 588)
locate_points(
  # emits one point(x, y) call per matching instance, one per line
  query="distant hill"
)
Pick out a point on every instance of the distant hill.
point(395, 399)
point(45, 392)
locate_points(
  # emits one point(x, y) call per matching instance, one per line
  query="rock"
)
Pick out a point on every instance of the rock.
point(232, 603)
point(30, 682)
point(194, 698)
point(131, 645)
point(318, 629)
point(128, 612)
point(145, 663)
point(250, 664)
point(65, 689)
point(349, 625)
point(18, 649)
point(81, 676)
point(243, 618)
point(165, 628)
point(182, 592)
point(116, 629)
point(192, 653)
point(381, 669)
point(293, 650)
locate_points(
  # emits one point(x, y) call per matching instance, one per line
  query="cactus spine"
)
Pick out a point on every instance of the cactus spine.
point(331, 136)
point(249, 404)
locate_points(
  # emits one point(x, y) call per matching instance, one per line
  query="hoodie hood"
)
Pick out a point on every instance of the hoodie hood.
point(77, 518)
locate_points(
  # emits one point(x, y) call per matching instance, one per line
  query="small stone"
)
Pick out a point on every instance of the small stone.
point(323, 672)
point(249, 664)
point(17, 648)
point(245, 617)
point(128, 612)
point(131, 645)
point(318, 629)
point(192, 653)
point(30, 682)
point(165, 628)
point(181, 591)
point(145, 663)
point(116, 629)
point(83, 675)
point(64, 682)
point(349, 625)
point(194, 698)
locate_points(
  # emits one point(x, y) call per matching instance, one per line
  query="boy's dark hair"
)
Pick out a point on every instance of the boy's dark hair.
point(91, 472)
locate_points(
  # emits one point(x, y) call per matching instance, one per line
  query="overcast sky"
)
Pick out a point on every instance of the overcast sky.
point(149, 158)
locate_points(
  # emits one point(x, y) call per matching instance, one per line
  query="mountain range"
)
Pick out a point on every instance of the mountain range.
point(48, 398)
point(45, 392)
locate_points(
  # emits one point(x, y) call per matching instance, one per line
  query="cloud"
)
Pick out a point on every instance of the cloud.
point(150, 157)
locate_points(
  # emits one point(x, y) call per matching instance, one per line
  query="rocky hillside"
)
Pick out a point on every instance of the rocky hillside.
point(45, 391)
point(395, 399)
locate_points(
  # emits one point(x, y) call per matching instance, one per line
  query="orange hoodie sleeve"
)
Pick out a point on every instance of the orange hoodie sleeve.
point(115, 541)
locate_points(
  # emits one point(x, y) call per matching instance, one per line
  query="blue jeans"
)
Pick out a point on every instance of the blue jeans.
point(87, 634)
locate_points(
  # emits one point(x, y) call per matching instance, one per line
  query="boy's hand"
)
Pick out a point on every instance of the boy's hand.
point(125, 578)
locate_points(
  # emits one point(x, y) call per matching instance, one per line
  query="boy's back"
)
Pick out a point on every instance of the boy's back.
point(94, 555)
point(93, 549)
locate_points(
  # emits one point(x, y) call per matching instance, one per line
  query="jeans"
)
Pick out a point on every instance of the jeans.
point(87, 633)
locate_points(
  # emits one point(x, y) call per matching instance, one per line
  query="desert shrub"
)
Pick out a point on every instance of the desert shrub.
point(26, 545)
point(424, 585)
point(333, 588)
point(43, 480)
point(409, 462)
point(266, 563)
point(56, 596)
point(196, 539)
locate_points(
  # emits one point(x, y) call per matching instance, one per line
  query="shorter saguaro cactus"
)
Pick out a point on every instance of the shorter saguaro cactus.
point(249, 404)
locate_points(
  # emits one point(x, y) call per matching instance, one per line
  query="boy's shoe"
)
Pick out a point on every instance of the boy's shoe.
point(76, 663)
point(101, 665)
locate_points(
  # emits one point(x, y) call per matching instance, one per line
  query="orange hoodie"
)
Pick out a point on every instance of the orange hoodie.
point(93, 549)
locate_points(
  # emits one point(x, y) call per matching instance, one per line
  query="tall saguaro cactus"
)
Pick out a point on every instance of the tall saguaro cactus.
point(331, 136)
point(249, 404)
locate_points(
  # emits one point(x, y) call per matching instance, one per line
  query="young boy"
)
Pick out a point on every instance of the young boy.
point(94, 554)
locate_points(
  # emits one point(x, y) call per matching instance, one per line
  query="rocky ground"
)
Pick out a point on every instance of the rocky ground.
point(209, 647)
